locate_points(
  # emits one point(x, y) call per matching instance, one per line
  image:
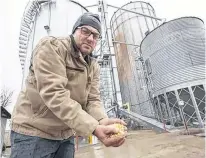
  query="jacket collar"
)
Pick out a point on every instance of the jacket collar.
point(76, 52)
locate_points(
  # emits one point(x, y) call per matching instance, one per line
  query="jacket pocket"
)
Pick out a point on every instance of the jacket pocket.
point(74, 73)
point(74, 68)
point(41, 113)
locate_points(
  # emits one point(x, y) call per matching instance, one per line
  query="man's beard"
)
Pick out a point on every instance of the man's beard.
point(86, 52)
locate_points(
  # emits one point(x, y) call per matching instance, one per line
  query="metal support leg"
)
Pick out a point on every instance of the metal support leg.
point(196, 108)
point(181, 111)
point(168, 106)
point(161, 116)
point(204, 86)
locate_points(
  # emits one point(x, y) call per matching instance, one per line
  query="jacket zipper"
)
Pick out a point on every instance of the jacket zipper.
point(87, 67)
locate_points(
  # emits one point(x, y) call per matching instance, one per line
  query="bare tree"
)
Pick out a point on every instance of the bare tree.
point(6, 97)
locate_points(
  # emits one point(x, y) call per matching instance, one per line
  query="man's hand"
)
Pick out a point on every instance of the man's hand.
point(109, 121)
point(103, 133)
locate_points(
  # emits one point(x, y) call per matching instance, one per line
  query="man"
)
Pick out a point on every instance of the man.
point(62, 97)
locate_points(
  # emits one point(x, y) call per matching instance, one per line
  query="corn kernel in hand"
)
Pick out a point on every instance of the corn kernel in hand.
point(121, 130)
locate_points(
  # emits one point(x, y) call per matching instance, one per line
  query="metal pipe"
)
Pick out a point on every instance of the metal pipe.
point(106, 55)
point(49, 18)
point(80, 5)
point(125, 43)
point(136, 13)
point(204, 86)
point(94, 5)
point(168, 106)
point(160, 110)
point(183, 117)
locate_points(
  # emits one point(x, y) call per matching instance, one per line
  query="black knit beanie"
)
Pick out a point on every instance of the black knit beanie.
point(88, 19)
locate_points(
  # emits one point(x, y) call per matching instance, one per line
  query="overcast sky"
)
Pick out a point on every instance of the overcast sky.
point(11, 12)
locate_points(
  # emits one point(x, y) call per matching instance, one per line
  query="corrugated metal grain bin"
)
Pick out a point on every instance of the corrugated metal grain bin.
point(175, 52)
point(174, 55)
point(128, 29)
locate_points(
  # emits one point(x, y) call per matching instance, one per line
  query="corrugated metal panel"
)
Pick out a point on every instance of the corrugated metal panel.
point(176, 51)
point(179, 76)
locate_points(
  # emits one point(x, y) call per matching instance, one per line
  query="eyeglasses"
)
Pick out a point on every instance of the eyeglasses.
point(85, 31)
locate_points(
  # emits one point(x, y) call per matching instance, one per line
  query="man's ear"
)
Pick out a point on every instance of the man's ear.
point(75, 35)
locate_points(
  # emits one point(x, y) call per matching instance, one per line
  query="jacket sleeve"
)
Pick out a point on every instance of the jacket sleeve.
point(50, 73)
point(94, 105)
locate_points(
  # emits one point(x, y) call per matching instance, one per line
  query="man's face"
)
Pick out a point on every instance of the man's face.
point(86, 38)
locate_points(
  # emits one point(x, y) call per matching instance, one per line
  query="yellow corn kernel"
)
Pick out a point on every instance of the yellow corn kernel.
point(121, 130)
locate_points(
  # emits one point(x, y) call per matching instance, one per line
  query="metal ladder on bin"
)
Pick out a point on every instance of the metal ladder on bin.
point(26, 29)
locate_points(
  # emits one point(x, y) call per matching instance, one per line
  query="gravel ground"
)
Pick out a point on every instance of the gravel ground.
point(146, 144)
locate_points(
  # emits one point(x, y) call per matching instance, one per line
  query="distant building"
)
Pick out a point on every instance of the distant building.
point(4, 116)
